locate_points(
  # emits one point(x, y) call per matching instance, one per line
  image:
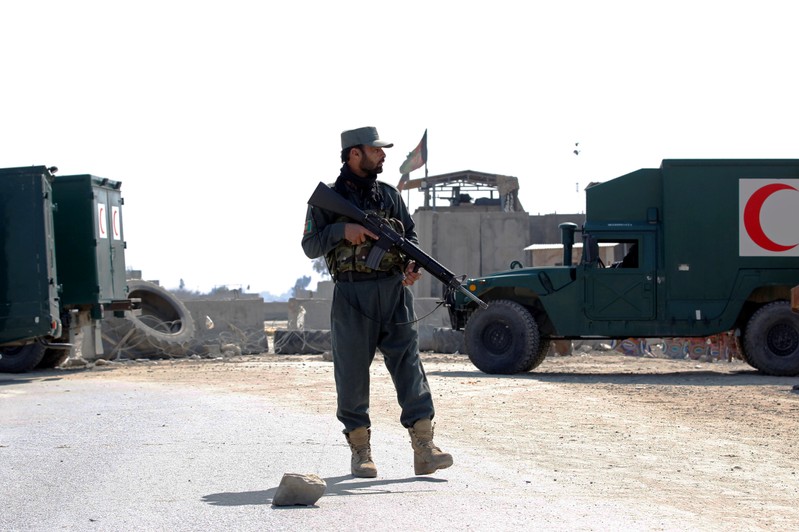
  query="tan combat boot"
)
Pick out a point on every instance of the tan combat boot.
point(426, 456)
point(362, 465)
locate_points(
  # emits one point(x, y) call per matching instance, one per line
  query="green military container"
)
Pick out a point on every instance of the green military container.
point(62, 262)
point(90, 245)
point(29, 302)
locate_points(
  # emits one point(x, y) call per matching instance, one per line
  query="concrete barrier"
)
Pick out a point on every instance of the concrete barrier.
point(314, 313)
point(223, 322)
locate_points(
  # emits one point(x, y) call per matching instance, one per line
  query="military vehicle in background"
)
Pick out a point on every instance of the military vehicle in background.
point(696, 248)
point(62, 263)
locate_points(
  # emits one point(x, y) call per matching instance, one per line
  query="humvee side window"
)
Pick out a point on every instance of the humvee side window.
point(630, 259)
point(626, 253)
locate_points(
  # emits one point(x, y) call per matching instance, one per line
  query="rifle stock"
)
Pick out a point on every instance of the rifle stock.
point(330, 200)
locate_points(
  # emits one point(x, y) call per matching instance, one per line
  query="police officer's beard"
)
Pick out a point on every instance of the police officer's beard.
point(371, 169)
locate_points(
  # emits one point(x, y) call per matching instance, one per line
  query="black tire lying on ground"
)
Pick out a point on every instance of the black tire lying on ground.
point(164, 326)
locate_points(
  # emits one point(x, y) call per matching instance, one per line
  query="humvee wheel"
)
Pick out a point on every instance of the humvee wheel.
point(503, 338)
point(771, 340)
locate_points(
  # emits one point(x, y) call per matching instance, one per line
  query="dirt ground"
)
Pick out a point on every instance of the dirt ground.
point(713, 439)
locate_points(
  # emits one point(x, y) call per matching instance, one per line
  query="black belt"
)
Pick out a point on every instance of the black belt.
point(355, 277)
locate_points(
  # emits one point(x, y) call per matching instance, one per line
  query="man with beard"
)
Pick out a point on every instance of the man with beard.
point(372, 308)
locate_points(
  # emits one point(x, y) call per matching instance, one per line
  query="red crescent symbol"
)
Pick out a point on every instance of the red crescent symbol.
point(102, 221)
point(752, 217)
point(114, 223)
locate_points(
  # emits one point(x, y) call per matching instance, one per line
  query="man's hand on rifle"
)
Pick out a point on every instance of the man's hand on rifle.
point(356, 233)
point(410, 275)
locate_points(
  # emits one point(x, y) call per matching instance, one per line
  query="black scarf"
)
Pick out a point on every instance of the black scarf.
point(363, 190)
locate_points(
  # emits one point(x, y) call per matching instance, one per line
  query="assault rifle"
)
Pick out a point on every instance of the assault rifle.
point(330, 200)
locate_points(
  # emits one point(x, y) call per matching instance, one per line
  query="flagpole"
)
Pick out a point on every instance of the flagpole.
point(425, 154)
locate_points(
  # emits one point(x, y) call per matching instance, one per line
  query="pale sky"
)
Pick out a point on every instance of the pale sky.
point(219, 118)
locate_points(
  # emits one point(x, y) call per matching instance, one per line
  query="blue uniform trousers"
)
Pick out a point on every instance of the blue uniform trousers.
point(366, 315)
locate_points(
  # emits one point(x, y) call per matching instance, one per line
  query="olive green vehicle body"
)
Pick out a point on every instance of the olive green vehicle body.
point(697, 271)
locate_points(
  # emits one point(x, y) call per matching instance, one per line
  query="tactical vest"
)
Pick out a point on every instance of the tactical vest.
point(347, 257)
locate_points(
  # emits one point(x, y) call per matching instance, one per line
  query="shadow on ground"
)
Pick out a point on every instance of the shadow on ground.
point(336, 486)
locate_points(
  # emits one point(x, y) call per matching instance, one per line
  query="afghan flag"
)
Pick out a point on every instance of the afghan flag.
point(417, 158)
point(403, 180)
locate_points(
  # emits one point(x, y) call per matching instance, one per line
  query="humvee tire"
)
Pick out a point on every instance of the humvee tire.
point(771, 340)
point(503, 339)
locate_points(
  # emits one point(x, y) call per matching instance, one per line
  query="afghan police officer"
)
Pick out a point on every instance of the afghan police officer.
point(372, 308)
